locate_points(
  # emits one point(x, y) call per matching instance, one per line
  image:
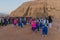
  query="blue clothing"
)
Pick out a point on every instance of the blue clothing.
point(44, 30)
point(37, 25)
point(33, 29)
point(24, 22)
point(20, 24)
point(41, 23)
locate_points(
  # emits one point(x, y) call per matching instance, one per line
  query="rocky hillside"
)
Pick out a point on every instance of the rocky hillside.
point(38, 8)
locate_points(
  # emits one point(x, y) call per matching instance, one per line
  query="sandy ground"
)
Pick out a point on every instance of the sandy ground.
point(12, 33)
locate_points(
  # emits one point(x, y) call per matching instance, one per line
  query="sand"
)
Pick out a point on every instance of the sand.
point(10, 32)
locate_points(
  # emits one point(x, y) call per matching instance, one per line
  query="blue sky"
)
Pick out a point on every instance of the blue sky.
point(6, 6)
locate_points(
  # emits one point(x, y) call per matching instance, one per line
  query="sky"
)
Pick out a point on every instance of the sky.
point(7, 6)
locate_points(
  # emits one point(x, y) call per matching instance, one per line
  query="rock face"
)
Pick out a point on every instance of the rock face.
point(54, 8)
point(32, 8)
point(38, 8)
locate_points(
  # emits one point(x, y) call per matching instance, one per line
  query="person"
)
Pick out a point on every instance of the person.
point(15, 21)
point(50, 21)
point(45, 21)
point(2, 21)
point(24, 21)
point(41, 22)
point(44, 30)
point(30, 20)
point(45, 27)
point(37, 24)
point(33, 24)
point(9, 20)
point(20, 23)
point(5, 21)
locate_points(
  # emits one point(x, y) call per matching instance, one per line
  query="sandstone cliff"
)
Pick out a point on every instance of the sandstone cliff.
point(38, 8)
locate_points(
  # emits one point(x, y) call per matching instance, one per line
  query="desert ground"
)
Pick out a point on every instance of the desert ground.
point(10, 32)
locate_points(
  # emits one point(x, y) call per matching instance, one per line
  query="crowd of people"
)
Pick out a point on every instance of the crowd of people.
point(42, 23)
point(36, 23)
point(4, 21)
